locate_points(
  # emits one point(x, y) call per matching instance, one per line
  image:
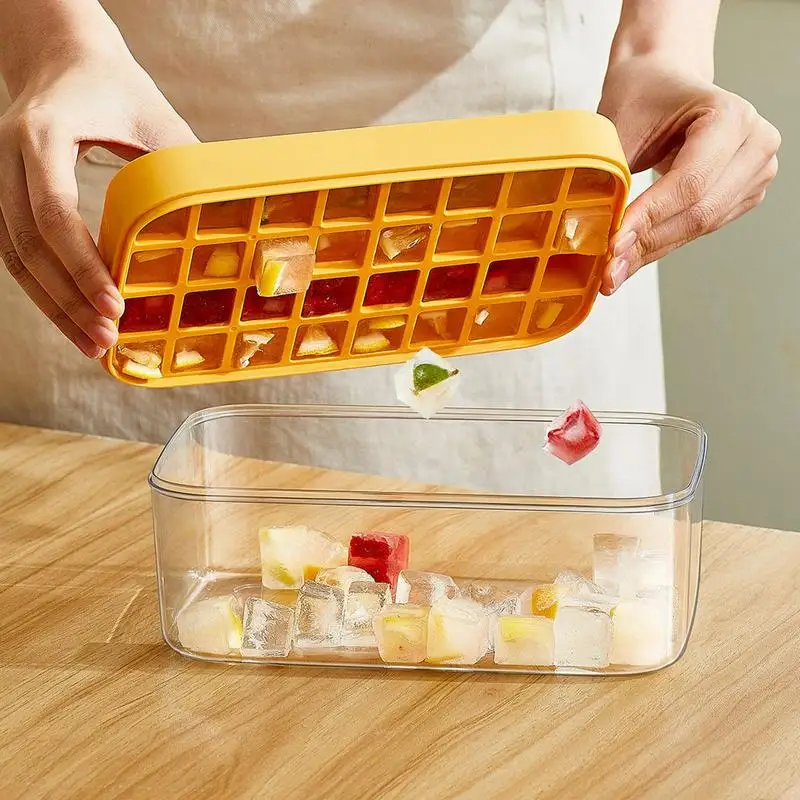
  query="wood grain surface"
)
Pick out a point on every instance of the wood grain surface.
point(93, 704)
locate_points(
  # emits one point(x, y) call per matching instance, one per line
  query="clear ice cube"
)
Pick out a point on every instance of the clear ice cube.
point(283, 266)
point(292, 555)
point(212, 625)
point(424, 588)
point(642, 629)
point(267, 629)
point(614, 563)
point(458, 632)
point(417, 386)
point(496, 600)
point(342, 576)
point(394, 241)
point(524, 641)
point(364, 601)
point(582, 637)
point(402, 633)
point(585, 230)
point(318, 616)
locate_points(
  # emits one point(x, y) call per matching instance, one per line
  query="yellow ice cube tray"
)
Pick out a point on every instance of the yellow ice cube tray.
point(516, 215)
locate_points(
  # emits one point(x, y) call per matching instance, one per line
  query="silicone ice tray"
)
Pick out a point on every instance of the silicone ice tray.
point(494, 192)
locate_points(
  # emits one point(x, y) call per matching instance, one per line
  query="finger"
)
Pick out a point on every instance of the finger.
point(41, 263)
point(710, 144)
point(49, 161)
point(41, 299)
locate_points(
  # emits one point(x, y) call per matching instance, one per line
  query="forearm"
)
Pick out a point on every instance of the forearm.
point(680, 31)
point(35, 31)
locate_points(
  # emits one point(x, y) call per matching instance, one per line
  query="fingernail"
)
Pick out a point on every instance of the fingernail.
point(103, 334)
point(619, 272)
point(624, 242)
point(110, 304)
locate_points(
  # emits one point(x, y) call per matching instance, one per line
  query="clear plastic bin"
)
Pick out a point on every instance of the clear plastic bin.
point(480, 502)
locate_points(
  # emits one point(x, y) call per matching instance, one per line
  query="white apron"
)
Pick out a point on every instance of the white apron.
point(239, 68)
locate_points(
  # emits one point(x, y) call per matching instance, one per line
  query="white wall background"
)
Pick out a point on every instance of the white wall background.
point(731, 302)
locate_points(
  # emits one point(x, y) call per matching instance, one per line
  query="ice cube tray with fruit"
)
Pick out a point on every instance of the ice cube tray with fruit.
point(320, 598)
point(340, 249)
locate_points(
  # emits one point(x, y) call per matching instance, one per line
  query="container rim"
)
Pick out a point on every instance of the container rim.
point(439, 500)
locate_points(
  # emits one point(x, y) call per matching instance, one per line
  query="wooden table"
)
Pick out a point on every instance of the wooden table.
point(94, 705)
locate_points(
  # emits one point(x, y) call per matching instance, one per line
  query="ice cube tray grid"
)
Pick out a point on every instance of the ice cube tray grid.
point(186, 228)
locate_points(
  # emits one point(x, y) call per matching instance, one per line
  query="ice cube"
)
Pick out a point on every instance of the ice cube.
point(394, 241)
point(426, 383)
point(267, 629)
point(642, 629)
point(315, 341)
point(585, 230)
point(382, 555)
point(524, 641)
point(364, 600)
point(573, 435)
point(437, 321)
point(542, 600)
point(372, 342)
point(424, 588)
point(496, 600)
point(252, 344)
point(223, 262)
point(212, 625)
point(186, 359)
point(318, 616)
point(141, 355)
point(140, 371)
point(402, 633)
point(343, 576)
point(290, 556)
point(582, 637)
point(614, 563)
point(281, 597)
point(546, 314)
point(458, 632)
point(283, 266)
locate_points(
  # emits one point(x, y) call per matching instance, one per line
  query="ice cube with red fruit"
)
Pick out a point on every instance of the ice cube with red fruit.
point(383, 555)
point(574, 434)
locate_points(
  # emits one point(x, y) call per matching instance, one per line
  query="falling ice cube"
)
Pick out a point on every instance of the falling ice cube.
point(223, 262)
point(283, 266)
point(212, 626)
point(267, 629)
point(585, 230)
point(290, 556)
point(363, 602)
point(614, 563)
point(383, 555)
point(458, 632)
point(573, 435)
point(343, 576)
point(395, 241)
point(642, 629)
point(424, 588)
point(318, 616)
point(524, 641)
point(402, 633)
point(426, 383)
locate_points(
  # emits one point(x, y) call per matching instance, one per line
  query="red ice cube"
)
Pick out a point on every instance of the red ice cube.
point(445, 283)
point(382, 555)
point(257, 307)
point(207, 308)
point(330, 296)
point(574, 434)
point(146, 314)
point(515, 275)
point(392, 288)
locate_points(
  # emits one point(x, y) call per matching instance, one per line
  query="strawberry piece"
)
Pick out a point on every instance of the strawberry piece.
point(446, 283)
point(574, 434)
point(330, 296)
point(207, 308)
point(391, 288)
point(382, 555)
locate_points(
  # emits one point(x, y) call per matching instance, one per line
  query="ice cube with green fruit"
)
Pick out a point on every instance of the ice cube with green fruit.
point(426, 383)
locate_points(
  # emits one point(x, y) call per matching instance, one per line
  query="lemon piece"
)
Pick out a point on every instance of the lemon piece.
point(544, 601)
point(438, 321)
point(316, 342)
point(141, 371)
point(186, 359)
point(223, 262)
point(143, 356)
point(481, 316)
point(387, 323)
point(547, 317)
point(269, 277)
point(372, 342)
point(212, 625)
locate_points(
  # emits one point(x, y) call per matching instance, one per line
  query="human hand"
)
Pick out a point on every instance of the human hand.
point(65, 107)
point(715, 154)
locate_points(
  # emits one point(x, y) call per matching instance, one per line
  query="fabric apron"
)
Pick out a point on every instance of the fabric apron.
point(240, 68)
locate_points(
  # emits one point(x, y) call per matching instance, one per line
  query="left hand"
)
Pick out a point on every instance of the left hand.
point(715, 154)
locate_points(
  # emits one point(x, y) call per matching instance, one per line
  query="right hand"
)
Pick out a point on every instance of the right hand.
point(70, 105)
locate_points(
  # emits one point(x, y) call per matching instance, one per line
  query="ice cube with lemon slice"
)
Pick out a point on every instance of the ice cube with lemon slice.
point(292, 555)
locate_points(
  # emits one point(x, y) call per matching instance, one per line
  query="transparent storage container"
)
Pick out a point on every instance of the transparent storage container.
point(479, 500)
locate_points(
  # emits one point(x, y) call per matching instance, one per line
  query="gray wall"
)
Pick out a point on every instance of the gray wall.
point(730, 302)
